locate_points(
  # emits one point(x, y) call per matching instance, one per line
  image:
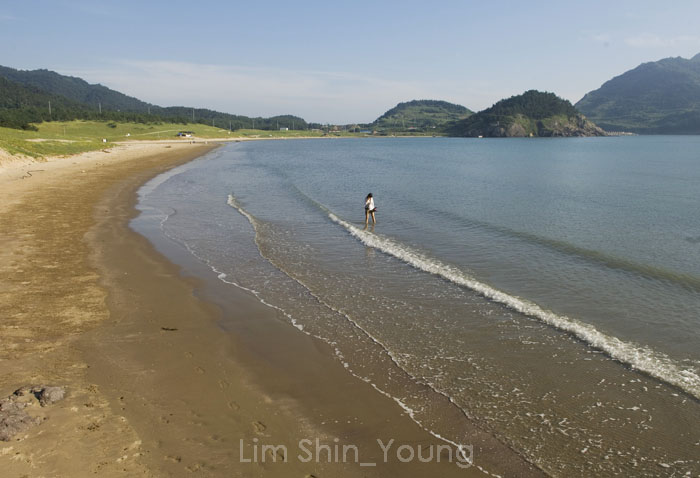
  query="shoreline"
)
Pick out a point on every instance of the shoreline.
point(154, 384)
point(51, 298)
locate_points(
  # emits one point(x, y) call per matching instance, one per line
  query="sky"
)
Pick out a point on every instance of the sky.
point(343, 62)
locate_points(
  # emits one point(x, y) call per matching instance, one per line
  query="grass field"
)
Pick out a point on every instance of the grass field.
point(72, 137)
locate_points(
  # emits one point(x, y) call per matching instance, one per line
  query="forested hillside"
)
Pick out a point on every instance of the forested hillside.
point(420, 115)
point(533, 113)
point(661, 97)
point(25, 97)
point(21, 105)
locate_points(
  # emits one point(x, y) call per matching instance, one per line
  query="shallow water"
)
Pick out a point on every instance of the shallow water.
point(548, 288)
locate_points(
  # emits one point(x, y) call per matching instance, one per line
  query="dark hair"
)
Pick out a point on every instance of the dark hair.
point(369, 196)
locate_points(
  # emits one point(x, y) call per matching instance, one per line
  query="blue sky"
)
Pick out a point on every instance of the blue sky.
point(342, 62)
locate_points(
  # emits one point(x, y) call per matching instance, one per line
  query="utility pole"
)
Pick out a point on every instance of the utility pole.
point(192, 114)
point(49, 109)
point(99, 106)
point(253, 123)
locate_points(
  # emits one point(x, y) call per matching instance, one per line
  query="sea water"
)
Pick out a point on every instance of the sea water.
point(548, 290)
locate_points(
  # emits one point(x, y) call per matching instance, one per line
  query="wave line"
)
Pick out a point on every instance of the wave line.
point(643, 359)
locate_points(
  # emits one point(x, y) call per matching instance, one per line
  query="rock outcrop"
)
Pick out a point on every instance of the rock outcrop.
point(13, 417)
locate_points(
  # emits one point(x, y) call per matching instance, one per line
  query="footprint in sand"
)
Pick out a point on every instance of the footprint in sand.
point(188, 354)
point(223, 384)
point(233, 405)
point(199, 370)
point(194, 467)
point(215, 439)
point(276, 455)
point(260, 427)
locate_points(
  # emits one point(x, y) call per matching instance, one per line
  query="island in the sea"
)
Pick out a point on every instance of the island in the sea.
point(533, 113)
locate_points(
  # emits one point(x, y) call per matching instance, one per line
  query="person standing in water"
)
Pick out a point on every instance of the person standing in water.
point(370, 209)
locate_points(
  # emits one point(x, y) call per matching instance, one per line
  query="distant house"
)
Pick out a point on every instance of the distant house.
point(185, 134)
point(284, 129)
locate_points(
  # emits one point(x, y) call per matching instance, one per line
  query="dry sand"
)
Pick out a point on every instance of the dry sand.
point(155, 386)
point(50, 296)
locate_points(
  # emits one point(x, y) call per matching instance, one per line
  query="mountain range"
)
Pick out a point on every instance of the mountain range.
point(661, 97)
point(25, 97)
point(29, 97)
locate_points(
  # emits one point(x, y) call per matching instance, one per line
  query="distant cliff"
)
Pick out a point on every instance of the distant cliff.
point(531, 114)
point(661, 97)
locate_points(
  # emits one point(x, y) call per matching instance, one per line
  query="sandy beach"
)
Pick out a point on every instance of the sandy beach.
point(155, 386)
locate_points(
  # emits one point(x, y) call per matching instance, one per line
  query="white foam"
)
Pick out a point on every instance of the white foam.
point(460, 448)
point(644, 359)
point(648, 361)
point(222, 276)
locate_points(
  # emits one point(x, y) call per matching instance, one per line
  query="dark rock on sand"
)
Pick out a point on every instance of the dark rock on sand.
point(14, 419)
point(49, 395)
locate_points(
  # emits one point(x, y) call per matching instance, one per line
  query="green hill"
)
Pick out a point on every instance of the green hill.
point(531, 114)
point(661, 97)
point(21, 105)
point(420, 115)
point(75, 89)
point(93, 102)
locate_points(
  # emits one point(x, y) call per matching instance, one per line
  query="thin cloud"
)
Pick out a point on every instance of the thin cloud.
point(602, 38)
point(648, 40)
point(317, 96)
point(595, 36)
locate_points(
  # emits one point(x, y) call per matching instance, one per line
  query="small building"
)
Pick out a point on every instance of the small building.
point(284, 129)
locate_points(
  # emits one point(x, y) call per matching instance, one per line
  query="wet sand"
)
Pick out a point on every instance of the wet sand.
point(167, 377)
